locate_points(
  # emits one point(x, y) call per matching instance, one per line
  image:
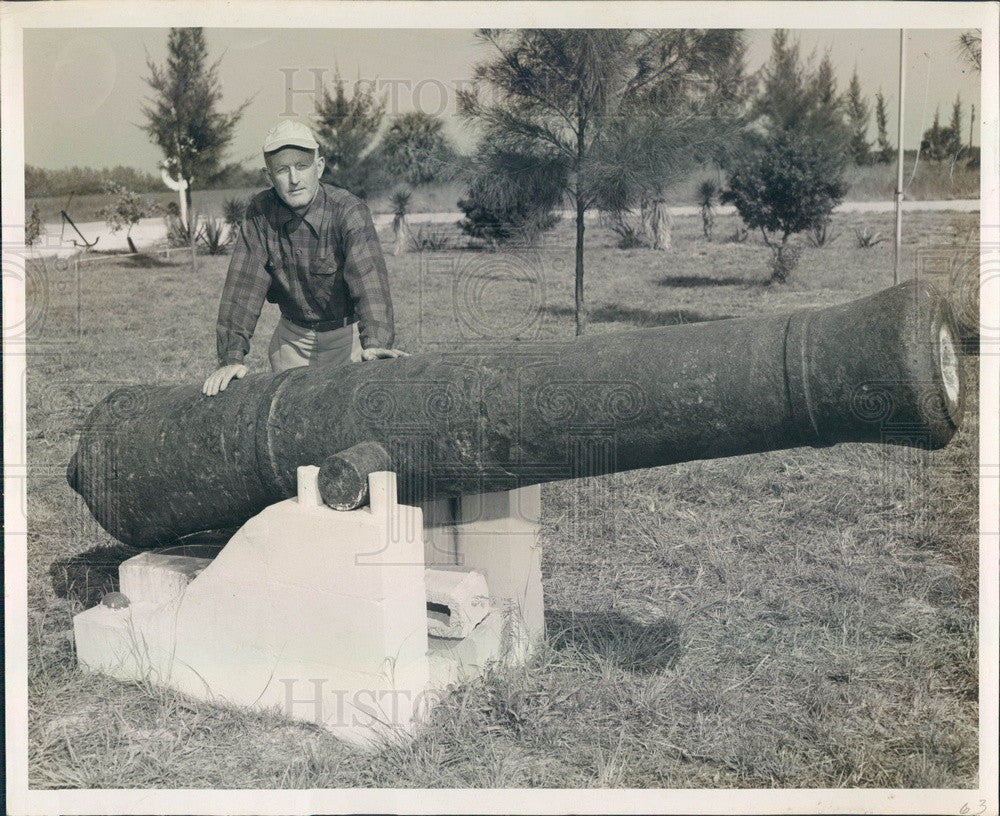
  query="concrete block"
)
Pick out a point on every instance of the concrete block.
point(506, 552)
point(457, 600)
point(439, 534)
point(303, 548)
point(133, 643)
point(307, 486)
point(324, 613)
point(156, 577)
point(496, 638)
point(359, 708)
point(524, 503)
point(100, 635)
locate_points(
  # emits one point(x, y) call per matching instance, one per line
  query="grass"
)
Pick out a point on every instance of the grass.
point(804, 618)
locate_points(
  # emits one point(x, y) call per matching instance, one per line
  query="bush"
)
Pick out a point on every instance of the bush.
point(707, 191)
point(521, 223)
point(630, 235)
point(233, 211)
point(214, 235)
point(821, 234)
point(789, 184)
point(178, 234)
point(512, 196)
point(430, 239)
point(33, 229)
point(125, 208)
point(866, 238)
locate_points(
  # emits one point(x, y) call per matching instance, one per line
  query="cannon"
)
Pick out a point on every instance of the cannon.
point(155, 464)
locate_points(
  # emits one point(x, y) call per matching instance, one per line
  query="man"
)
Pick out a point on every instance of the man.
point(312, 249)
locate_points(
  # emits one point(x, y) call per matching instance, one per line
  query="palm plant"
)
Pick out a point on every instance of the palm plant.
point(707, 192)
point(400, 209)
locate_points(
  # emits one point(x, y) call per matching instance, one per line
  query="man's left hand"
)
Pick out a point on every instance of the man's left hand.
point(381, 353)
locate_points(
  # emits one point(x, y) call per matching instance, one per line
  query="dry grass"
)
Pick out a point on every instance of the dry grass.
point(805, 618)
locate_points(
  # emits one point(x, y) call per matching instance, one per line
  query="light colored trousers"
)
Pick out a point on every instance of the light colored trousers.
point(292, 346)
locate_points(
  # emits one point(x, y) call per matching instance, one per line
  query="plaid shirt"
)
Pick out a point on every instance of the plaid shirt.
point(323, 269)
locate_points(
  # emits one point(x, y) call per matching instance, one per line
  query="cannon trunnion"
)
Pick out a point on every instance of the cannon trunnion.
point(157, 463)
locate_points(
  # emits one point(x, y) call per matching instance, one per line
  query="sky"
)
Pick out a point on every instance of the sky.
point(83, 88)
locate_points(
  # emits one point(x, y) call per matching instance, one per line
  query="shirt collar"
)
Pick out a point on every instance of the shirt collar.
point(313, 216)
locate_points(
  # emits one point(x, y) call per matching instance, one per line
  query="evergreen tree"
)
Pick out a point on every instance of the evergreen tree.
point(954, 136)
point(791, 177)
point(885, 148)
point(858, 113)
point(935, 140)
point(783, 100)
point(416, 149)
point(183, 117)
point(826, 113)
point(617, 113)
point(347, 129)
point(970, 45)
point(795, 96)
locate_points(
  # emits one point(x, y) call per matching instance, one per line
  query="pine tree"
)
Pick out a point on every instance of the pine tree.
point(885, 148)
point(934, 139)
point(617, 114)
point(826, 114)
point(183, 117)
point(416, 148)
point(970, 45)
point(347, 130)
point(783, 101)
point(858, 113)
point(954, 136)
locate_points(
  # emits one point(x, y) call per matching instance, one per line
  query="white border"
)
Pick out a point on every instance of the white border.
point(14, 17)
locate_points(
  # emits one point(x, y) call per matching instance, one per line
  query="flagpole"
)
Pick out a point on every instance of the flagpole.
point(899, 163)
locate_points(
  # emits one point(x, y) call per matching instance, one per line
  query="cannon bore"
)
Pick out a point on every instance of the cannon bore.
point(157, 463)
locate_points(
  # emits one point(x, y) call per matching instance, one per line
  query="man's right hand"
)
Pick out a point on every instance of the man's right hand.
point(220, 378)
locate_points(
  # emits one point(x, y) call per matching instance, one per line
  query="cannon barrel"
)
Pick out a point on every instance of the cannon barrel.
point(158, 463)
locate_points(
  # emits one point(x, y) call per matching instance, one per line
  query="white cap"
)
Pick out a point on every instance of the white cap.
point(288, 132)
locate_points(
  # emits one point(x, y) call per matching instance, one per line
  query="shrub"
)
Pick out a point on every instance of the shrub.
point(33, 229)
point(233, 211)
point(521, 221)
point(400, 229)
point(512, 196)
point(789, 184)
point(707, 191)
point(430, 239)
point(866, 238)
point(630, 235)
point(214, 234)
point(821, 234)
point(178, 234)
point(125, 209)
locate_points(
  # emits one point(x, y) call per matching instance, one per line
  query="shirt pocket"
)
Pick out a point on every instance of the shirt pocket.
point(325, 264)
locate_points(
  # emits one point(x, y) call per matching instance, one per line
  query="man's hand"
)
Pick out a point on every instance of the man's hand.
point(380, 353)
point(220, 378)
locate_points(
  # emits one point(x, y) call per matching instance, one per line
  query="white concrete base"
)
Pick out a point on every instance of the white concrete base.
point(457, 600)
point(325, 614)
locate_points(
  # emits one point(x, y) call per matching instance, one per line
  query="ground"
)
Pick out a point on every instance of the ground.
point(805, 618)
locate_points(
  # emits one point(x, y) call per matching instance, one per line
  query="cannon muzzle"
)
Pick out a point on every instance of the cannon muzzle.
point(157, 463)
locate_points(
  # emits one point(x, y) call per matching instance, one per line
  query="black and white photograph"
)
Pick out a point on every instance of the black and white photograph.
point(522, 407)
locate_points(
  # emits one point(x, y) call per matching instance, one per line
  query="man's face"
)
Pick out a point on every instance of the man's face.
point(295, 174)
